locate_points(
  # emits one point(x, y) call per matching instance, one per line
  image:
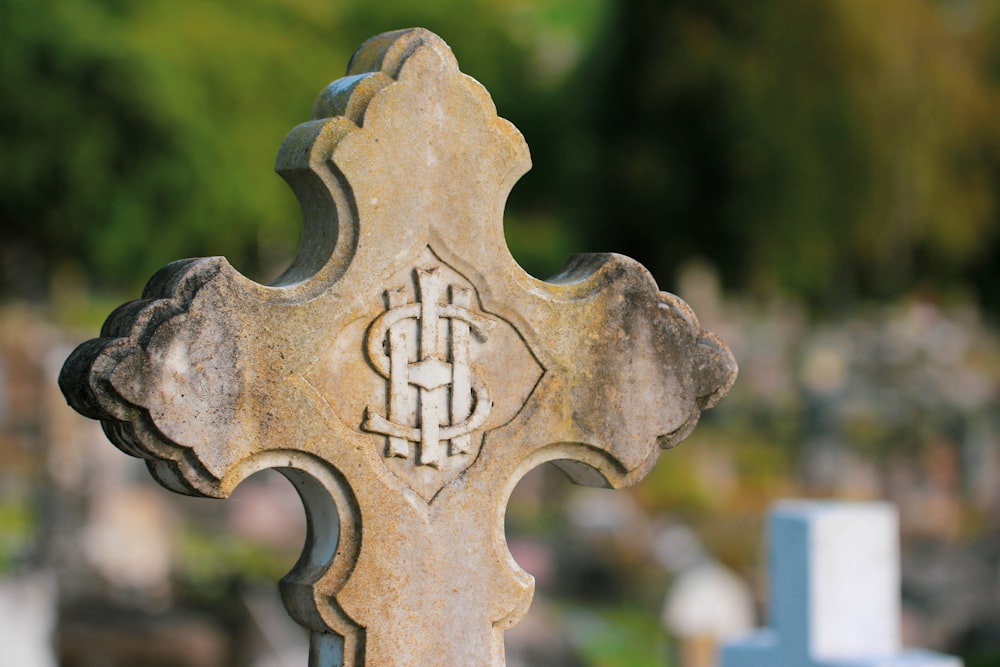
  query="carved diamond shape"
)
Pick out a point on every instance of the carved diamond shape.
point(428, 357)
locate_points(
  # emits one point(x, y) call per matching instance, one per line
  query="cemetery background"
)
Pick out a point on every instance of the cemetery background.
point(825, 197)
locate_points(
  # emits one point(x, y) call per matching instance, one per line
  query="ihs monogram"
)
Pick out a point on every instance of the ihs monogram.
point(450, 401)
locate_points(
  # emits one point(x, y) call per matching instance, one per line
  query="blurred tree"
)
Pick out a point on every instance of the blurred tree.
point(137, 133)
point(832, 149)
point(984, 17)
point(133, 133)
point(828, 149)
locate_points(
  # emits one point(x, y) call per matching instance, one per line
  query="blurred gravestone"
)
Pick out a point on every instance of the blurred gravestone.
point(28, 610)
point(834, 578)
point(706, 604)
point(404, 373)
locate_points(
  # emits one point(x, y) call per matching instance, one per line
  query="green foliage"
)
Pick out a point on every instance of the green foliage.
point(984, 658)
point(17, 528)
point(829, 149)
point(762, 464)
point(137, 133)
point(208, 561)
point(134, 135)
point(617, 637)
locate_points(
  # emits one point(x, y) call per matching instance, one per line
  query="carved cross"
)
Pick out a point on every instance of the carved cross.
point(405, 372)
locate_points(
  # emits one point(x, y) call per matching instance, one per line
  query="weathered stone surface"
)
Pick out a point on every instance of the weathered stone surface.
point(405, 372)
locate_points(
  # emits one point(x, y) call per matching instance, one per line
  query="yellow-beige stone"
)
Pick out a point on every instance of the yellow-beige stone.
point(405, 373)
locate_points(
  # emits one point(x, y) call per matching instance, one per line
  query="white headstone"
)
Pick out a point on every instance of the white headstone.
point(834, 581)
point(706, 600)
point(28, 618)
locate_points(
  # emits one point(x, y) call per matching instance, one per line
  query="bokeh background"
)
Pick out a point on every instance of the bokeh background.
point(820, 180)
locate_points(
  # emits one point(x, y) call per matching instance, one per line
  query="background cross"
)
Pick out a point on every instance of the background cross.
point(834, 591)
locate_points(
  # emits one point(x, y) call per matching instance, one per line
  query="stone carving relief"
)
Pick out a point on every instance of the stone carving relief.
point(430, 356)
point(405, 372)
point(422, 348)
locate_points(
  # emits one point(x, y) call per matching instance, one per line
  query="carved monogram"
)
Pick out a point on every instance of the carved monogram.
point(452, 401)
point(431, 357)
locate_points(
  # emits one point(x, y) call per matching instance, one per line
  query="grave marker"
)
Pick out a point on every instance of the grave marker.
point(29, 607)
point(404, 373)
point(834, 578)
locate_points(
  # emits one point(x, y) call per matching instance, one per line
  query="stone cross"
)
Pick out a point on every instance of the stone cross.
point(834, 578)
point(405, 372)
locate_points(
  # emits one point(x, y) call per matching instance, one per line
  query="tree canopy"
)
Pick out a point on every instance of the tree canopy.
point(832, 150)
